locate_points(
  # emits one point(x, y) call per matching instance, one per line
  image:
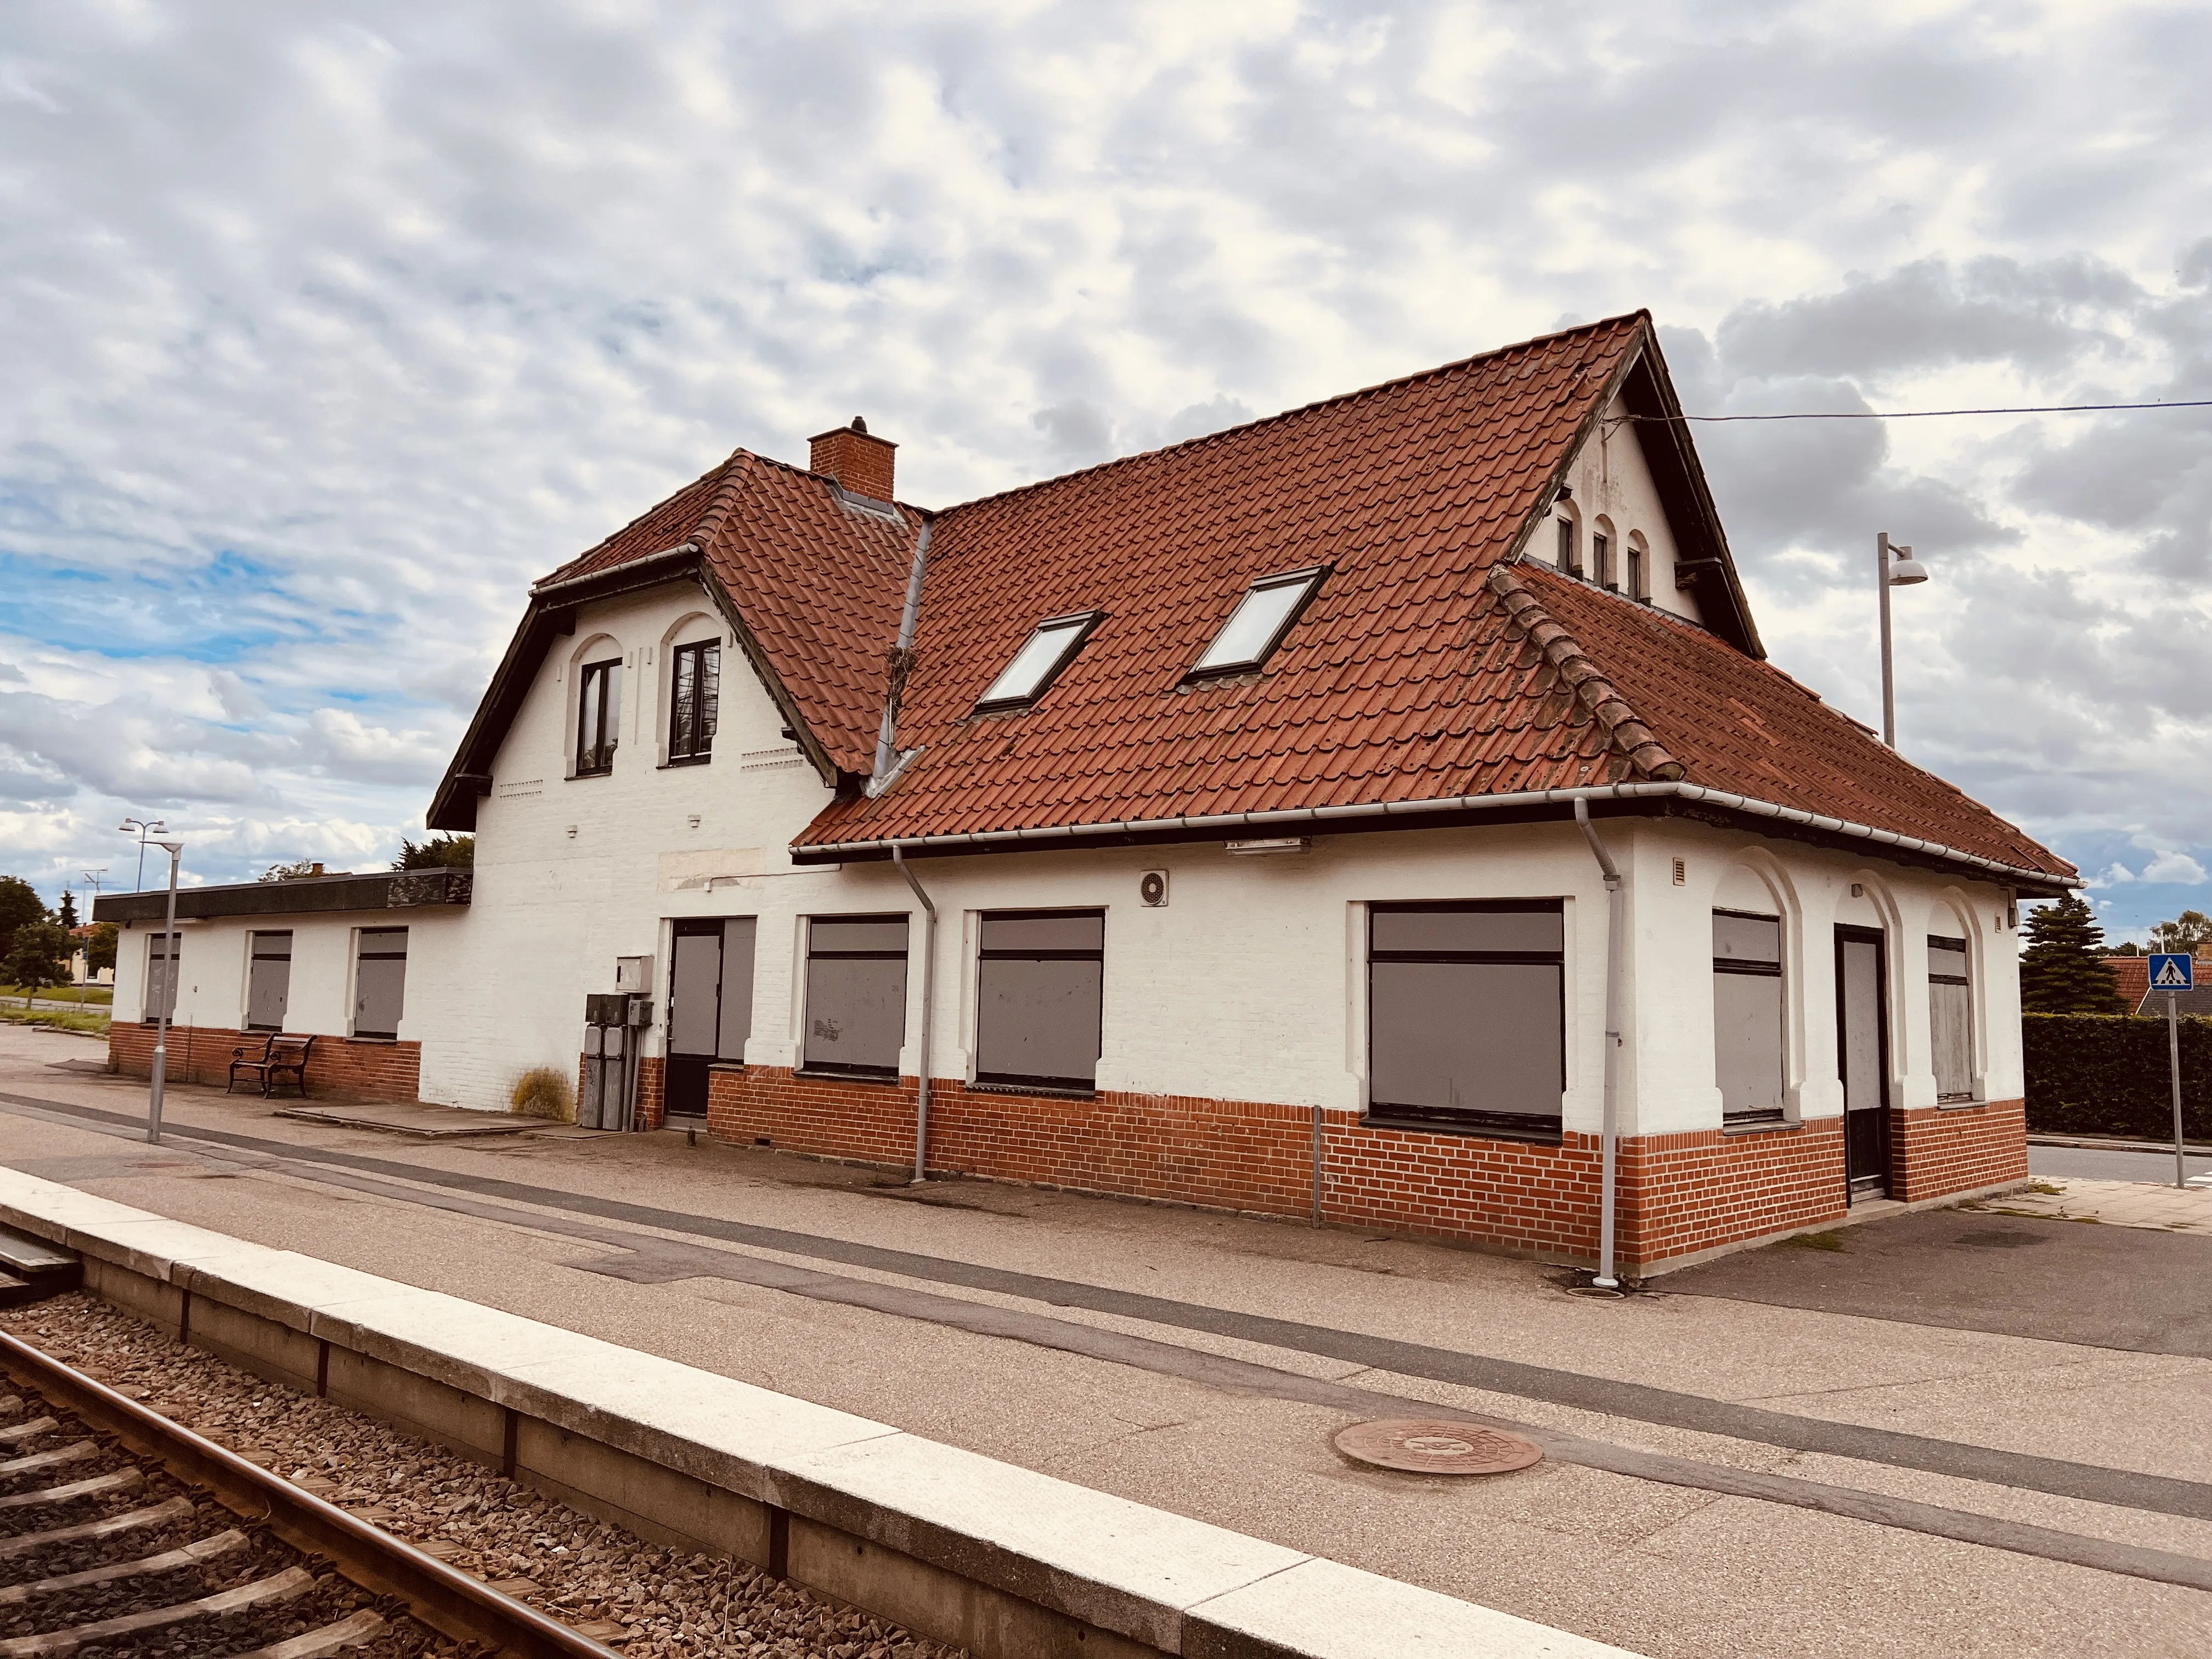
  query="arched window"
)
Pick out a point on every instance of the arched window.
point(598, 666)
point(1604, 551)
point(1569, 556)
point(1638, 586)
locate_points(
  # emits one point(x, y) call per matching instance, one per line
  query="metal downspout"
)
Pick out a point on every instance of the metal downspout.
point(929, 1007)
point(1614, 918)
point(902, 657)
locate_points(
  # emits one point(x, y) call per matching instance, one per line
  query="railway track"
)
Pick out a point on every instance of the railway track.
point(123, 1533)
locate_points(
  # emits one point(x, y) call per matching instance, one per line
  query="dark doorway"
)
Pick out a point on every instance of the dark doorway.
point(1863, 1059)
point(710, 1005)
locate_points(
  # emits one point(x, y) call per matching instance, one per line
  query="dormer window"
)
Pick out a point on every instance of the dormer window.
point(1038, 663)
point(1258, 623)
point(598, 717)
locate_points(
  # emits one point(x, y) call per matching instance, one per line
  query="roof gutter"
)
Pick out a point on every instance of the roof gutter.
point(984, 840)
point(539, 590)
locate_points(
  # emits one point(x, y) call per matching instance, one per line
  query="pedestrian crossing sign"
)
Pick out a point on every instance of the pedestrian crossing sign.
point(2173, 973)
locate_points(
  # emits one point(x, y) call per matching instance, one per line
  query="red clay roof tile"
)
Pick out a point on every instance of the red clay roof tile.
point(1422, 669)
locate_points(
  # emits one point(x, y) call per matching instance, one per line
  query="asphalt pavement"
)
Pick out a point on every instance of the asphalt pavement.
point(1905, 1400)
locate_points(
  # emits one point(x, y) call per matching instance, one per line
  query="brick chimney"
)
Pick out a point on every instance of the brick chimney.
point(860, 464)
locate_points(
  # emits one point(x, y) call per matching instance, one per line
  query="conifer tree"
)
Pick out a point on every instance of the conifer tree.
point(2060, 972)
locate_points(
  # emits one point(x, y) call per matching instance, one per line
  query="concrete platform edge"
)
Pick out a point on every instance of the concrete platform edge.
point(997, 1559)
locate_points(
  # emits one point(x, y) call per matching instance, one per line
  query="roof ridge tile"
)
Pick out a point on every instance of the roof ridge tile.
point(1634, 739)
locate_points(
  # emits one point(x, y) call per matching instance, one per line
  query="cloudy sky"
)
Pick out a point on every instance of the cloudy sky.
point(328, 327)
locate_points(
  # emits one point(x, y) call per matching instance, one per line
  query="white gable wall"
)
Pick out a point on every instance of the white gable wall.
point(572, 872)
point(1610, 486)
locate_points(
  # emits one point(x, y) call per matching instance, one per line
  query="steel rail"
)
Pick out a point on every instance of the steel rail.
point(446, 1599)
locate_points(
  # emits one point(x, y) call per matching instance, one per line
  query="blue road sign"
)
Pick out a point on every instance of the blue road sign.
point(2173, 973)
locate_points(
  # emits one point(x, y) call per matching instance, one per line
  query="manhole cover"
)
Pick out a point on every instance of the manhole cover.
point(1427, 1447)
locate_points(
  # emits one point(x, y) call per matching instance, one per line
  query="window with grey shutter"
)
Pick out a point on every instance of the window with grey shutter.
point(1747, 1013)
point(856, 996)
point(1039, 978)
point(380, 981)
point(1466, 1014)
point(1951, 1018)
point(269, 981)
point(161, 953)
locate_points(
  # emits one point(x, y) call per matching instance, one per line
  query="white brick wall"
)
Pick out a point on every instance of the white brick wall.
point(1249, 985)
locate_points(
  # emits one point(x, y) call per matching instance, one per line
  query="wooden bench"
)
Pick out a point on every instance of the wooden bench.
point(281, 1057)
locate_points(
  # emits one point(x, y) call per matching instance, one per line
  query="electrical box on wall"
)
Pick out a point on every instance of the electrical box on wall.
point(1153, 887)
point(634, 974)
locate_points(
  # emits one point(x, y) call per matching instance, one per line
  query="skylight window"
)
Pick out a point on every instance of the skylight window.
point(1039, 661)
point(1258, 623)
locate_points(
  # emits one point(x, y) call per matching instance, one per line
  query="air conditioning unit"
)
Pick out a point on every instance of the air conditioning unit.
point(1152, 888)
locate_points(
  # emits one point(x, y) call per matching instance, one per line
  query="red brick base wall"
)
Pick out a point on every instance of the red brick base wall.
point(652, 1093)
point(1678, 1194)
point(341, 1066)
point(1954, 1149)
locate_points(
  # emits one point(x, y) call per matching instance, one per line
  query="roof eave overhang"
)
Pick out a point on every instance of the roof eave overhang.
point(382, 890)
point(1678, 799)
point(552, 613)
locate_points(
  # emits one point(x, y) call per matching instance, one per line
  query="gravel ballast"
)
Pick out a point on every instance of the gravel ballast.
point(650, 1603)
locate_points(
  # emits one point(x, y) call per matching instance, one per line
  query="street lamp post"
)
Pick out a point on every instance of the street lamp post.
point(1893, 567)
point(156, 827)
point(94, 877)
point(174, 849)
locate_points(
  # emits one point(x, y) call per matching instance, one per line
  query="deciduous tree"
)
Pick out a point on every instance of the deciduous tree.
point(38, 959)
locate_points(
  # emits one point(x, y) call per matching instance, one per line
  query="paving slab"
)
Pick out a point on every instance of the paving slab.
point(1654, 1568)
point(416, 1118)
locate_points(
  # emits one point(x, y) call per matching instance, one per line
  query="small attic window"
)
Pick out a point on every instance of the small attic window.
point(1258, 623)
point(1038, 663)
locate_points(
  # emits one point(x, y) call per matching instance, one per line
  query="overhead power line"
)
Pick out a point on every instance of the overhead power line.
point(1925, 414)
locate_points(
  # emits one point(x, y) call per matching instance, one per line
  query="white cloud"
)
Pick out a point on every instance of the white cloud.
point(331, 327)
point(2175, 867)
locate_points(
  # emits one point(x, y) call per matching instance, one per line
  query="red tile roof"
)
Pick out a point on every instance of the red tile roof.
point(1385, 689)
point(818, 584)
point(1430, 666)
point(1744, 728)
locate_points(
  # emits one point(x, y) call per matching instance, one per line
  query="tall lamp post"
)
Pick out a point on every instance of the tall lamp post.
point(143, 828)
point(1893, 567)
point(174, 849)
point(94, 877)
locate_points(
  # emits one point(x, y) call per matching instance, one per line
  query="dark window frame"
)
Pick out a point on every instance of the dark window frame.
point(1602, 562)
point(1638, 560)
point(596, 759)
point(1313, 577)
point(1082, 624)
point(1752, 969)
point(705, 697)
point(809, 1067)
point(1511, 1126)
point(1026, 1083)
point(1570, 548)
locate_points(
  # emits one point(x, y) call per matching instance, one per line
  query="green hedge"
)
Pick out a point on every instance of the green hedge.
point(2106, 1074)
